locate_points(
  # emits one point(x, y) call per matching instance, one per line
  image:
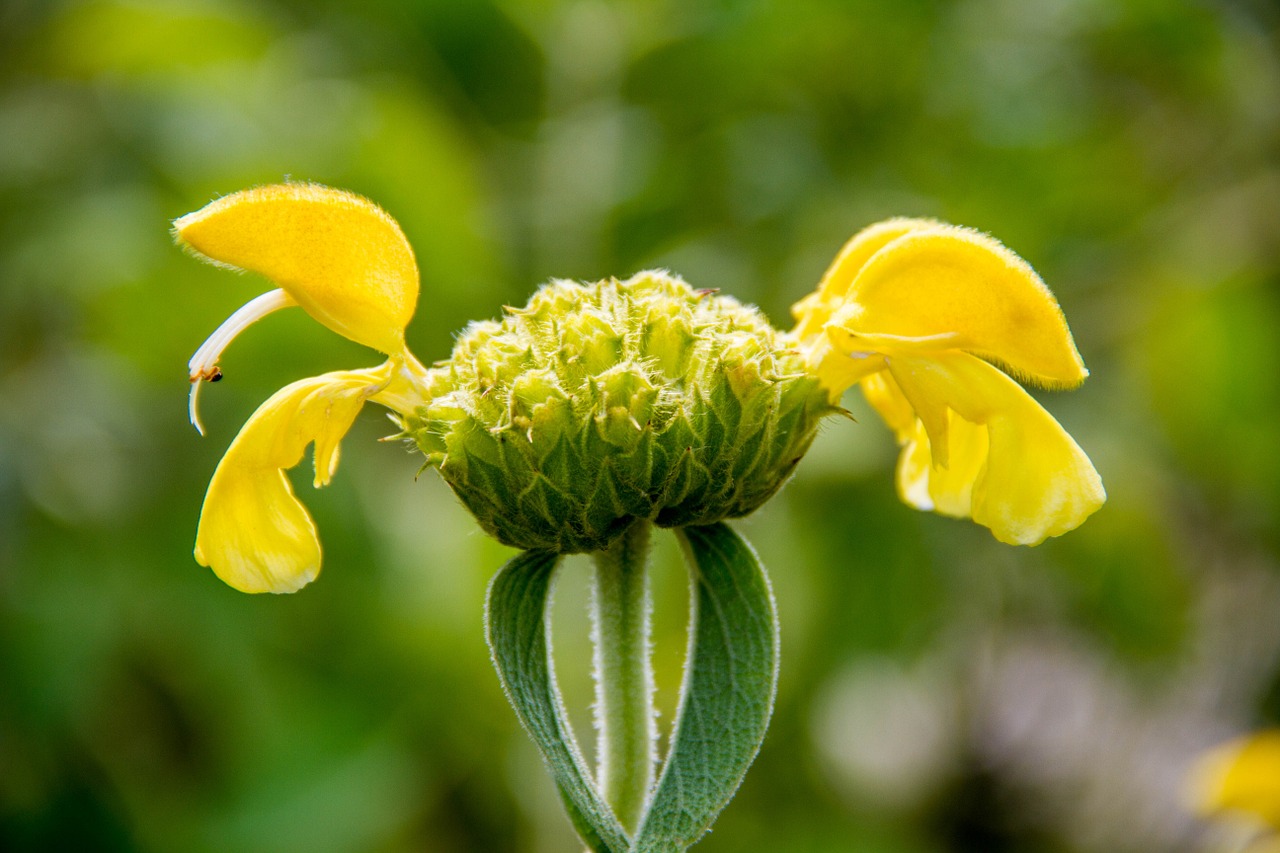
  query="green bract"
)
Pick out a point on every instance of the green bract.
point(599, 404)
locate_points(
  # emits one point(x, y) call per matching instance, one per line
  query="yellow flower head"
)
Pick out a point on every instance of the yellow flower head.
point(1240, 778)
point(932, 320)
point(348, 265)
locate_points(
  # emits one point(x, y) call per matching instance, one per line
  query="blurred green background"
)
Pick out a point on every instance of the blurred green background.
point(939, 692)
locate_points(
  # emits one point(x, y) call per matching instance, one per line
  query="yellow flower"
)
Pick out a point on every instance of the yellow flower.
point(915, 311)
point(932, 320)
point(348, 265)
point(1241, 778)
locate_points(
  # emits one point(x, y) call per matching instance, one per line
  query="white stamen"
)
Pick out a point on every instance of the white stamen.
point(204, 364)
point(192, 412)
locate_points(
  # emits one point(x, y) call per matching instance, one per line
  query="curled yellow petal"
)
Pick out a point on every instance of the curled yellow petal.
point(1028, 480)
point(1241, 777)
point(952, 283)
point(815, 309)
point(340, 256)
point(925, 481)
point(254, 533)
point(947, 489)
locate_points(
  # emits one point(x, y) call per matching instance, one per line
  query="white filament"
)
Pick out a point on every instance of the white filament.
point(204, 364)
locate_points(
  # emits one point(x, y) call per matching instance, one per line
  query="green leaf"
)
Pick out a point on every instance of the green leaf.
point(517, 630)
point(727, 697)
point(730, 682)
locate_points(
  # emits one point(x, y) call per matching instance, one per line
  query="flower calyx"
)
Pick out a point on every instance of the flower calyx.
point(599, 404)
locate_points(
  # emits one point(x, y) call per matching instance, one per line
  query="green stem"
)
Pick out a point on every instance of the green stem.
point(626, 730)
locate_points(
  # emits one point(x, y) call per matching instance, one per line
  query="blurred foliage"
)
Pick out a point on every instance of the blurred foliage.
point(940, 692)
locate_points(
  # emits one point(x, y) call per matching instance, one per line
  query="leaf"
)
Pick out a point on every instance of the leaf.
point(731, 679)
point(518, 632)
point(727, 697)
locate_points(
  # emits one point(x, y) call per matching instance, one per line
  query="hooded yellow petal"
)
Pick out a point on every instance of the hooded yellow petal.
point(1242, 776)
point(947, 282)
point(815, 309)
point(1029, 480)
point(254, 533)
point(340, 256)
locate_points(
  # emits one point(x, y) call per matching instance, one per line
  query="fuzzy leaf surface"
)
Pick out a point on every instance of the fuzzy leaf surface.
point(517, 629)
point(730, 683)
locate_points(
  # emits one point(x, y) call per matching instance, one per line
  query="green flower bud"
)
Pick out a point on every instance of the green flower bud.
point(599, 404)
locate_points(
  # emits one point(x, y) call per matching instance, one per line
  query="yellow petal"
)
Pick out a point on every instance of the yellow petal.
point(1032, 482)
point(254, 533)
point(340, 256)
point(815, 309)
point(914, 466)
point(836, 359)
point(886, 398)
point(924, 481)
point(926, 485)
point(917, 379)
point(1242, 776)
point(943, 281)
point(837, 365)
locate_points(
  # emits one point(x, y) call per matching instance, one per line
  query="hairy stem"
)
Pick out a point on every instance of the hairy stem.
point(626, 730)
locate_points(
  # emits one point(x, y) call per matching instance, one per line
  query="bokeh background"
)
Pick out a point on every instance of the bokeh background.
point(939, 692)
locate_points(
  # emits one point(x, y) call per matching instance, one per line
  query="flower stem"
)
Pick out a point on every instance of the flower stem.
point(626, 731)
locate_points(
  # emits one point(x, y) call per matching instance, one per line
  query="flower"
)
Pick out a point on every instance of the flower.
point(933, 320)
point(348, 265)
point(601, 403)
point(1241, 779)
